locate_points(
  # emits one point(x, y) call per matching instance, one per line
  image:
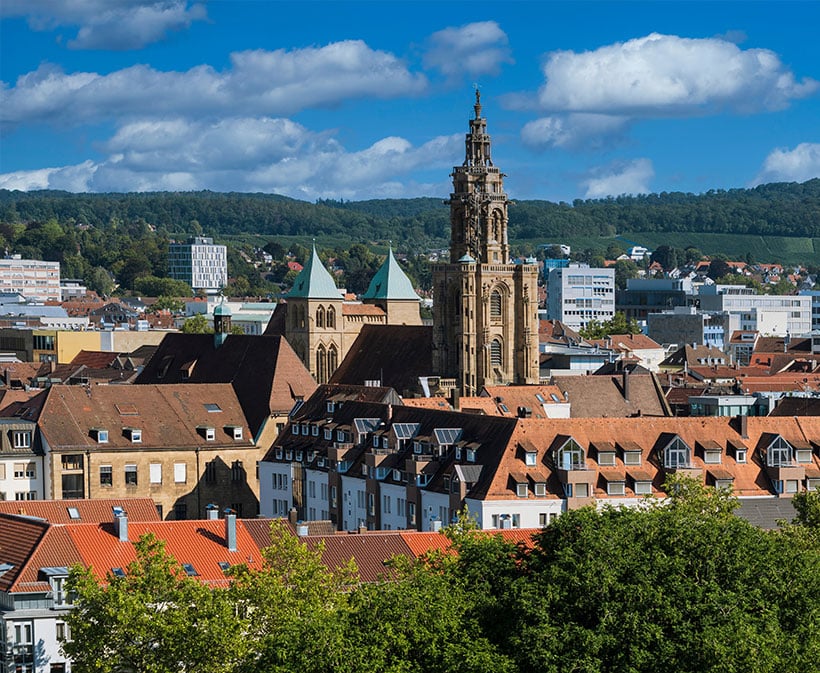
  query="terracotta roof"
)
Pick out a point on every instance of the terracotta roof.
point(591, 396)
point(368, 550)
point(94, 359)
point(165, 414)
point(626, 342)
point(97, 511)
point(18, 541)
point(267, 376)
point(428, 403)
point(508, 400)
point(355, 308)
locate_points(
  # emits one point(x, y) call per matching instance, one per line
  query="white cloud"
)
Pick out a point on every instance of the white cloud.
point(666, 74)
point(474, 49)
point(258, 82)
point(109, 24)
point(797, 165)
point(249, 155)
point(630, 178)
point(573, 130)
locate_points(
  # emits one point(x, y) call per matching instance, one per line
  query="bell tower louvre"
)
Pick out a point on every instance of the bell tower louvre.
point(485, 320)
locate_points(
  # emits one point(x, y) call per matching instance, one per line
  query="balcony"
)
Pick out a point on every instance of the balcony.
point(418, 463)
point(375, 457)
point(341, 451)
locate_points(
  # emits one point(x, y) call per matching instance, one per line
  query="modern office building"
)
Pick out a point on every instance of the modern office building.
point(200, 263)
point(578, 294)
point(36, 280)
point(773, 315)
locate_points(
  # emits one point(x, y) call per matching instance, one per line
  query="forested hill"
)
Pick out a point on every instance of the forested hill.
point(784, 209)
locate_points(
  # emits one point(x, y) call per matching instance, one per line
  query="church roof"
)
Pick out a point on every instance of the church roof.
point(390, 282)
point(314, 281)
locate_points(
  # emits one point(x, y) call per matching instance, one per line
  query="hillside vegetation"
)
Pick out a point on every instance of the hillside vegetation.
point(128, 234)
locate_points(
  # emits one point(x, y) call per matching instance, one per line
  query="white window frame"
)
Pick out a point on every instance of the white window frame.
point(155, 473)
point(521, 490)
point(180, 473)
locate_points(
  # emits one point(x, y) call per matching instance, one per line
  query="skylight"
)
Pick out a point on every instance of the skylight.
point(224, 566)
point(405, 430)
point(447, 436)
point(189, 569)
point(117, 572)
point(73, 513)
point(364, 425)
point(212, 407)
point(127, 409)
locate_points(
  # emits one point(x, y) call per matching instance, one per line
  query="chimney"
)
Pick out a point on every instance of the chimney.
point(121, 524)
point(744, 427)
point(455, 400)
point(625, 379)
point(230, 529)
point(211, 512)
point(293, 516)
point(362, 528)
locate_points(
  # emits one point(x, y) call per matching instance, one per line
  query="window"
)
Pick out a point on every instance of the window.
point(154, 473)
point(180, 470)
point(73, 486)
point(62, 632)
point(330, 321)
point(632, 457)
point(72, 461)
point(615, 488)
point(521, 490)
point(189, 569)
point(495, 304)
point(643, 488)
point(740, 455)
point(411, 513)
point(791, 485)
point(803, 455)
point(496, 359)
point(328, 433)
point(210, 471)
point(570, 456)
point(181, 511)
point(779, 453)
point(711, 456)
point(540, 488)
point(22, 439)
point(530, 458)
point(106, 475)
point(135, 435)
point(543, 519)
point(676, 454)
point(606, 458)
point(333, 496)
point(25, 470)
point(26, 495)
point(237, 471)
point(131, 475)
point(371, 504)
point(581, 490)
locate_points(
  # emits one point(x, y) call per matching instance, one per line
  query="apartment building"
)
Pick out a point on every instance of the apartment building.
point(578, 294)
point(36, 280)
point(200, 263)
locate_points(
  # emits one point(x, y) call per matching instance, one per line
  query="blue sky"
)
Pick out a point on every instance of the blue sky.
point(360, 100)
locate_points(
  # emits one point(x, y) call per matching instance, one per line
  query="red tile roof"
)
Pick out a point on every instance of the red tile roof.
point(97, 511)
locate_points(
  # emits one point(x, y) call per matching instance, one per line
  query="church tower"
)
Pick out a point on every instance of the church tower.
point(485, 308)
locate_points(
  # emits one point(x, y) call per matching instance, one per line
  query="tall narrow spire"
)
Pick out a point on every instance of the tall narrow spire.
point(314, 280)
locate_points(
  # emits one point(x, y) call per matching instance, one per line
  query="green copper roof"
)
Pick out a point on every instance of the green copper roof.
point(314, 281)
point(390, 282)
point(222, 308)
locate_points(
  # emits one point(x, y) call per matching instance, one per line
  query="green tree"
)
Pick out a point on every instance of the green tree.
point(165, 303)
point(197, 324)
point(151, 286)
point(625, 269)
point(155, 619)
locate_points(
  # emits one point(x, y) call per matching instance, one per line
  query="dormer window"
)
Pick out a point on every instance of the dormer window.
point(295, 429)
point(340, 435)
point(740, 455)
point(779, 453)
point(134, 434)
point(470, 455)
point(521, 490)
point(802, 455)
point(331, 406)
point(100, 434)
point(314, 430)
point(540, 489)
point(570, 456)
point(632, 458)
point(328, 434)
point(22, 439)
point(236, 432)
point(530, 458)
point(208, 433)
point(676, 454)
point(305, 429)
point(606, 458)
point(712, 456)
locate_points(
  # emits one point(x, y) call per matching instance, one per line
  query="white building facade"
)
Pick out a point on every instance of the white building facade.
point(578, 294)
point(772, 315)
point(35, 280)
point(200, 263)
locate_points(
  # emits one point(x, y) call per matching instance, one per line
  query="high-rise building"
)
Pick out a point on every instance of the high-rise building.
point(485, 321)
point(578, 294)
point(200, 263)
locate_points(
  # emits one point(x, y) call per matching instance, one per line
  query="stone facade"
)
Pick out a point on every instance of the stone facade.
point(485, 308)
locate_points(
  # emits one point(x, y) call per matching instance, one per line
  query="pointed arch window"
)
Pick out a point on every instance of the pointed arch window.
point(330, 318)
point(496, 357)
point(677, 454)
point(495, 304)
point(320, 316)
point(321, 364)
point(332, 359)
point(570, 456)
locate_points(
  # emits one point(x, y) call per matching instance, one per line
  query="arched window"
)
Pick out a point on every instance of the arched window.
point(320, 316)
point(332, 359)
point(331, 318)
point(570, 456)
point(496, 359)
point(495, 304)
point(321, 365)
point(676, 454)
